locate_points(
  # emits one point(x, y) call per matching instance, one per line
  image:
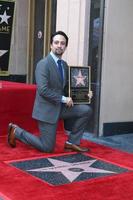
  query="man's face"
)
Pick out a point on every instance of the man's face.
point(58, 45)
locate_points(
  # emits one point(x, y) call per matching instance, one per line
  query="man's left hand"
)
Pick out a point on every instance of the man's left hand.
point(90, 94)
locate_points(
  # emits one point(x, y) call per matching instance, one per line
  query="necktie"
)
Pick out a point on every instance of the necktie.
point(60, 69)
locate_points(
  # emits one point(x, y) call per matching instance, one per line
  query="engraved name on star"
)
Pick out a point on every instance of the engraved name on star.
point(4, 18)
point(80, 79)
point(71, 170)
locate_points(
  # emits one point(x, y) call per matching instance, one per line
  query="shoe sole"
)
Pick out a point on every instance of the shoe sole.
point(76, 150)
point(68, 150)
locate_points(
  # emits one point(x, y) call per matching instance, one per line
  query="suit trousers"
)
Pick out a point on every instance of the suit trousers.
point(47, 139)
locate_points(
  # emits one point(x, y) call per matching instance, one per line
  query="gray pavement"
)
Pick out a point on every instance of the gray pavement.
point(123, 142)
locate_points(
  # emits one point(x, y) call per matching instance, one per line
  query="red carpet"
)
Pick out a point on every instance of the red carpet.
point(16, 184)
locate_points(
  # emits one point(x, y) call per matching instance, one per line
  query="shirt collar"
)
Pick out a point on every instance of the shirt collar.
point(54, 57)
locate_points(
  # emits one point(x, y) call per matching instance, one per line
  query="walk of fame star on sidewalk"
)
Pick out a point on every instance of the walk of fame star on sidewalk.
point(64, 169)
point(71, 170)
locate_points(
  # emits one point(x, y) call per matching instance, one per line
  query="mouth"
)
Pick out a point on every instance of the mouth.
point(59, 51)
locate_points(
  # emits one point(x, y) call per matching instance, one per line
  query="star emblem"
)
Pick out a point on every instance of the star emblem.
point(80, 79)
point(71, 170)
point(4, 18)
point(2, 52)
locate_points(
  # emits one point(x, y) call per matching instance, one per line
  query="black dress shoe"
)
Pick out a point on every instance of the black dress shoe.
point(74, 147)
point(11, 135)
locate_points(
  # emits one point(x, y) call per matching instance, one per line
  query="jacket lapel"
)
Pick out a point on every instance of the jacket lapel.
point(54, 68)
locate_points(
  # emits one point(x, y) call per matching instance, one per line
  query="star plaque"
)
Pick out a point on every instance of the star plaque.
point(79, 84)
point(7, 11)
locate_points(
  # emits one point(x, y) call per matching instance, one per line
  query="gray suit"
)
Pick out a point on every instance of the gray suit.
point(48, 108)
point(47, 105)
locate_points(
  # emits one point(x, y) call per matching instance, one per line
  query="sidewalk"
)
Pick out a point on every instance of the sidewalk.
point(123, 142)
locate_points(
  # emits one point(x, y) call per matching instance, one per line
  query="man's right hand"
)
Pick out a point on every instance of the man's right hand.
point(69, 102)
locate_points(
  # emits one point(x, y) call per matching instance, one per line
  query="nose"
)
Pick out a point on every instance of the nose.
point(59, 44)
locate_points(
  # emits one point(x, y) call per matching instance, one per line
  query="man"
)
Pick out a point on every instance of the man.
point(52, 104)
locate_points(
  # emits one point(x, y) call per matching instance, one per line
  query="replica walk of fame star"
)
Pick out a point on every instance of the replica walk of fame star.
point(68, 168)
point(7, 9)
point(2, 52)
point(79, 84)
point(4, 18)
point(80, 79)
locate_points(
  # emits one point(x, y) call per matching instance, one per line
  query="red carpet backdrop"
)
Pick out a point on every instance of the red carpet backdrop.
point(25, 173)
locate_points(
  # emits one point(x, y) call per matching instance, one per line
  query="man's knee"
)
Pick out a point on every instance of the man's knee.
point(83, 111)
point(47, 150)
point(86, 110)
point(47, 147)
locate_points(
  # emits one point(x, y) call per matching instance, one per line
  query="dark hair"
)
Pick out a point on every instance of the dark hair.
point(59, 33)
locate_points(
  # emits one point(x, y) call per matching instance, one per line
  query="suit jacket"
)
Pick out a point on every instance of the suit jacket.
point(49, 91)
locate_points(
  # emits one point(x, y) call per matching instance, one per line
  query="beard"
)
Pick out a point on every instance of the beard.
point(58, 52)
